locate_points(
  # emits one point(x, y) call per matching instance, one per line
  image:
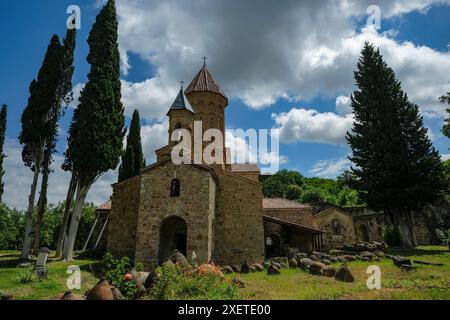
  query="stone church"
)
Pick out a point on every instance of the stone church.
point(216, 211)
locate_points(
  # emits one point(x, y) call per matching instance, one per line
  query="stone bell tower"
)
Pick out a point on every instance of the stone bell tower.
point(208, 102)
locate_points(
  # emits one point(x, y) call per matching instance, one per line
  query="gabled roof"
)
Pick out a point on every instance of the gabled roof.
point(204, 81)
point(180, 102)
point(292, 225)
point(280, 203)
point(245, 167)
point(105, 206)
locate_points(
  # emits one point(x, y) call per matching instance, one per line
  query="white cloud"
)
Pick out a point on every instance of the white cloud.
point(445, 157)
point(308, 48)
point(154, 137)
point(18, 180)
point(343, 105)
point(329, 168)
point(312, 126)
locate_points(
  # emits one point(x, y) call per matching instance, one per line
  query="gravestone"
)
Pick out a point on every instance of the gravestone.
point(40, 266)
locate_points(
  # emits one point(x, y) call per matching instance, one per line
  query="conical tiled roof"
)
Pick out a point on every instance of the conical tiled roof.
point(180, 102)
point(204, 81)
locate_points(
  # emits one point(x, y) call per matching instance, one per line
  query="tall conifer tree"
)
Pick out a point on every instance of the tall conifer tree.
point(35, 125)
point(3, 114)
point(446, 128)
point(97, 130)
point(132, 160)
point(63, 96)
point(396, 166)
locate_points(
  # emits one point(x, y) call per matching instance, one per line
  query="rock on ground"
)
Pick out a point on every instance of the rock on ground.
point(258, 267)
point(273, 270)
point(236, 268)
point(227, 270)
point(179, 259)
point(245, 268)
point(344, 274)
point(329, 271)
point(316, 268)
point(101, 291)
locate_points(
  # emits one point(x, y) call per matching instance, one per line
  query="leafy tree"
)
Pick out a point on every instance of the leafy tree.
point(63, 96)
point(446, 128)
point(35, 125)
point(276, 186)
point(133, 159)
point(293, 192)
point(97, 129)
point(396, 166)
point(312, 196)
point(3, 114)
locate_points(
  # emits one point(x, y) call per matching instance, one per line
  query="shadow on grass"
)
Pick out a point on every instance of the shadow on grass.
point(413, 251)
point(8, 264)
point(95, 268)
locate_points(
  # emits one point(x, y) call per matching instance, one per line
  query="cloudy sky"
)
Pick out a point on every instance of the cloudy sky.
point(283, 64)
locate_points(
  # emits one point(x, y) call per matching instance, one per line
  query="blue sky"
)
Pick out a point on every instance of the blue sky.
point(286, 73)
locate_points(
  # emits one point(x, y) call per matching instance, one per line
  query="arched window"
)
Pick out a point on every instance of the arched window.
point(175, 188)
point(336, 226)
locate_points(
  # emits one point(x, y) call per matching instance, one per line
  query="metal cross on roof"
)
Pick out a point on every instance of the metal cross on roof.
point(204, 59)
point(182, 83)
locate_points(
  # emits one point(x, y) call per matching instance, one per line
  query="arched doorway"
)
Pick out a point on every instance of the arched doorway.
point(364, 232)
point(173, 235)
point(273, 248)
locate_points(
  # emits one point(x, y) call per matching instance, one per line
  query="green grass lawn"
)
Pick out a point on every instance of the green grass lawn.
point(426, 282)
point(45, 289)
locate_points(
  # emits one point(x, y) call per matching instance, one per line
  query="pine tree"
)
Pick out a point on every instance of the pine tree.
point(132, 161)
point(97, 129)
point(35, 125)
point(446, 128)
point(396, 166)
point(3, 114)
point(63, 96)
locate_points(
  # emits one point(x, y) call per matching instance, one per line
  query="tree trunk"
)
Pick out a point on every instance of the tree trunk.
point(29, 214)
point(42, 203)
point(76, 215)
point(410, 219)
point(68, 204)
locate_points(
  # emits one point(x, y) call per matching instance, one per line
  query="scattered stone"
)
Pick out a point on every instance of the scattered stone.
point(69, 296)
point(329, 271)
point(179, 259)
point(366, 259)
point(428, 263)
point(313, 257)
point(276, 264)
point(333, 259)
point(326, 262)
point(272, 270)
point(245, 268)
point(266, 264)
point(252, 269)
point(305, 263)
point(344, 274)
point(25, 265)
point(117, 295)
point(227, 270)
point(101, 291)
point(293, 263)
point(258, 267)
point(316, 268)
point(301, 255)
point(402, 262)
point(341, 259)
point(284, 265)
point(236, 268)
point(137, 280)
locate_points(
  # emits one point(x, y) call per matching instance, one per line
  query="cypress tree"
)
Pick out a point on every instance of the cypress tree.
point(3, 114)
point(97, 129)
point(35, 125)
point(132, 161)
point(396, 166)
point(446, 128)
point(63, 96)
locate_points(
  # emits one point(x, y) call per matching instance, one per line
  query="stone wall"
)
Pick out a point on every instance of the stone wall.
point(239, 234)
point(330, 239)
point(195, 206)
point(123, 218)
point(301, 216)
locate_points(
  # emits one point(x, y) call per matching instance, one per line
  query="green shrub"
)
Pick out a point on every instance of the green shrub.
point(27, 276)
point(392, 236)
point(173, 283)
point(115, 270)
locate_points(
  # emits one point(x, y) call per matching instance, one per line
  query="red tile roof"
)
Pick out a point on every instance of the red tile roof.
point(293, 225)
point(245, 167)
point(204, 81)
point(280, 203)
